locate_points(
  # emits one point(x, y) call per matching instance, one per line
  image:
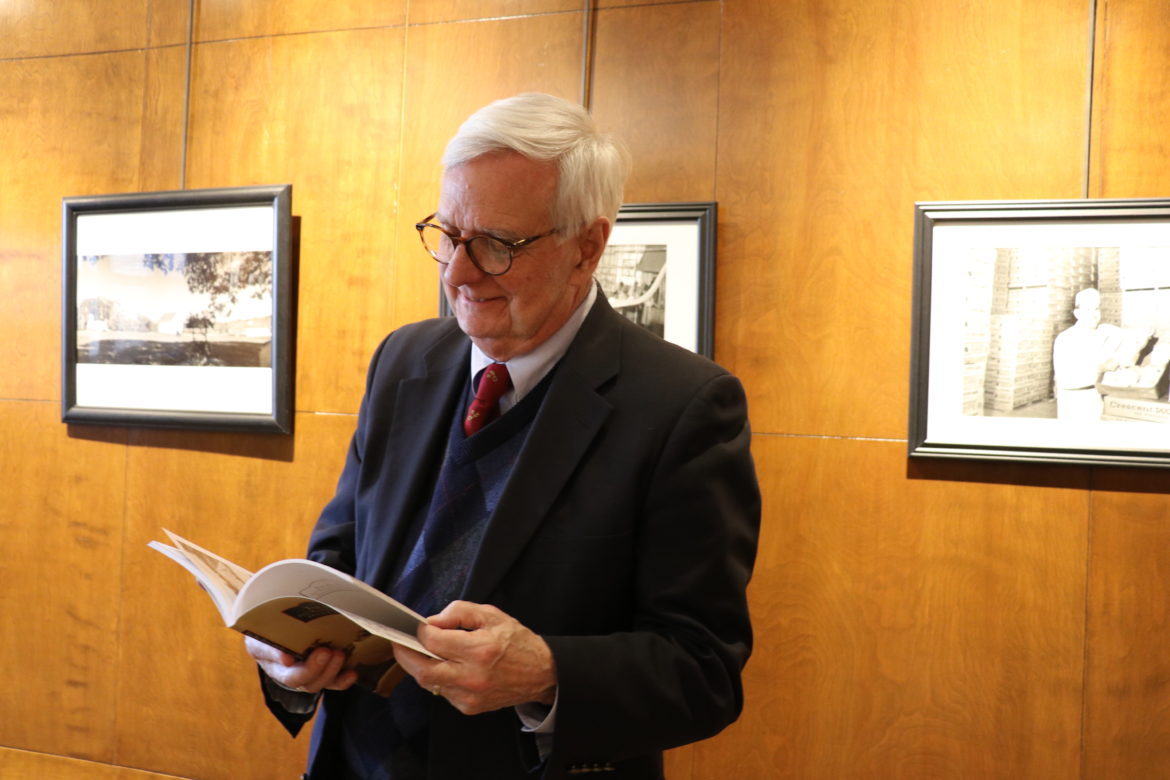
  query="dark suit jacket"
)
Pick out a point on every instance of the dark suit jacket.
point(625, 537)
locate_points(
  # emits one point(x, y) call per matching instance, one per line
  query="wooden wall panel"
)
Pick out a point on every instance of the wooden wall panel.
point(605, 4)
point(496, 59)
point(317, 111)
point(660, 95)
point(168, 22)
point(459, 10)
point(1127, 710)
point(220, 19)
point(908, 627)
point(23, 765)
point(253, 499)
point(1131, 105)
point(68, 126)
point(61, 523)
point(160, 162)
point(834, 117)
point(39, 28)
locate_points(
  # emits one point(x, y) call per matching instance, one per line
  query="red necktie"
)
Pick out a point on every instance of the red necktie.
point(493, 383)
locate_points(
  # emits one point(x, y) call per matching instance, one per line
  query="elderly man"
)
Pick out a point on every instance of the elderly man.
point(571, 499)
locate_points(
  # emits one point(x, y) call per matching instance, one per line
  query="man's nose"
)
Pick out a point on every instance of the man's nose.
point(461, 270)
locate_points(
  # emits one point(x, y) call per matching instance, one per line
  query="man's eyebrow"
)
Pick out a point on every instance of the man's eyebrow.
point(502, 233)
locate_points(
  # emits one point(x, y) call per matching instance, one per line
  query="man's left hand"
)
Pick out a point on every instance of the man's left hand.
point(492, 661)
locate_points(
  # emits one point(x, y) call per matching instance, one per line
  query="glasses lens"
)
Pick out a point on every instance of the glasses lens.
point(490, 255)
point(438, 243)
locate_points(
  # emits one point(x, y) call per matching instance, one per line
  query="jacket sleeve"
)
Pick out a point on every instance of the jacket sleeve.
point(674, 677)
point(332, 543)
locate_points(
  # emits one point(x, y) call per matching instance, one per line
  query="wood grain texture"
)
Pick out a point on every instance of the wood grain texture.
point(160, 156)
point(656, 86)
point(168, 22)
point(68, 126)
point(605, 4)
point(496, 59)
point(221, 19)
point(1131, 102)
point(465, 10)
point(39, 28)
point(1127, 709)
point(253, 499)
point(25, 765)
point(323, 113)
point(908, 628)
point(679, 764)
point(61, 570)
point(834, 118)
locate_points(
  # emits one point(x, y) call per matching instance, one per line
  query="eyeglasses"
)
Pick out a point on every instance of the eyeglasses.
point(491, 255)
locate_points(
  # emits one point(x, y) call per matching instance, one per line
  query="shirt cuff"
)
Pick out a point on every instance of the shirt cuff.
point(540, 720)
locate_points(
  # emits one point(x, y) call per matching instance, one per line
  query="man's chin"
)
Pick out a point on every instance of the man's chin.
point(475, 327)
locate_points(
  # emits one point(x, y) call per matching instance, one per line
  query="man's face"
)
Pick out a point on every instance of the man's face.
point(508, 196)
point(1087, 316)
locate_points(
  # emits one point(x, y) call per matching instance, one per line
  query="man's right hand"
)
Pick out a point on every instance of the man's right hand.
point(322, 670)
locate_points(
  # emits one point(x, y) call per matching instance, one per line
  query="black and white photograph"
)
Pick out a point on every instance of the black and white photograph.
point(1042, 331)
point(176, 309)
point(658, 270)
point(634, 278)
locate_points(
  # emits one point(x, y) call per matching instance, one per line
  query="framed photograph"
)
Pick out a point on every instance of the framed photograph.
point(177, 309)
point(1041, 331)
point(658, 270)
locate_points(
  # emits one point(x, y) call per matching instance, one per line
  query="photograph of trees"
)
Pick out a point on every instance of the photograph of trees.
point(194, 309)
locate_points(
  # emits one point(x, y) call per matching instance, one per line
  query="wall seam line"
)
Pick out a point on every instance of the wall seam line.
point(1092, 72)
point(187, 94)
point(588, 32)
point(1087, 593)
point(1085, 654)
point(119, 623)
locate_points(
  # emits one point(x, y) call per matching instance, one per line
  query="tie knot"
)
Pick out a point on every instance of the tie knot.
point(493, 383)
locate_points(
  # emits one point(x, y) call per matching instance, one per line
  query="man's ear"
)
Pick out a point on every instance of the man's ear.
point(591, 242)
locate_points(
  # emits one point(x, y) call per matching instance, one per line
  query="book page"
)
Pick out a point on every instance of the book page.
point(298, 604)
point(322, 583)
point(221, 578)
point(223, 600)
point(391, 634)
point(231, 576)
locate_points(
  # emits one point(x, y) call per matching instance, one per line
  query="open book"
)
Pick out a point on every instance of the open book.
point(297, 605)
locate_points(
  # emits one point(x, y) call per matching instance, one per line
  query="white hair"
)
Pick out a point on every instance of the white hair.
point(591, 166)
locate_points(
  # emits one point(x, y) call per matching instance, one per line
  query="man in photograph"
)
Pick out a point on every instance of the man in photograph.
point(1082, 353)
point(570, 499)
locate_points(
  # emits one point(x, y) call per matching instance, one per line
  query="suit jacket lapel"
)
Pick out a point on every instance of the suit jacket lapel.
point(423, 409)
point(570, 416)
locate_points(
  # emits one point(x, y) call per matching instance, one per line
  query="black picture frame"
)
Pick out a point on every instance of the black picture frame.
point(1041, 331)
point(177, 309)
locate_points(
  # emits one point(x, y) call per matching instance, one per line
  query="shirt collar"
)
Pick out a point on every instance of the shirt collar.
point(527, 370)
